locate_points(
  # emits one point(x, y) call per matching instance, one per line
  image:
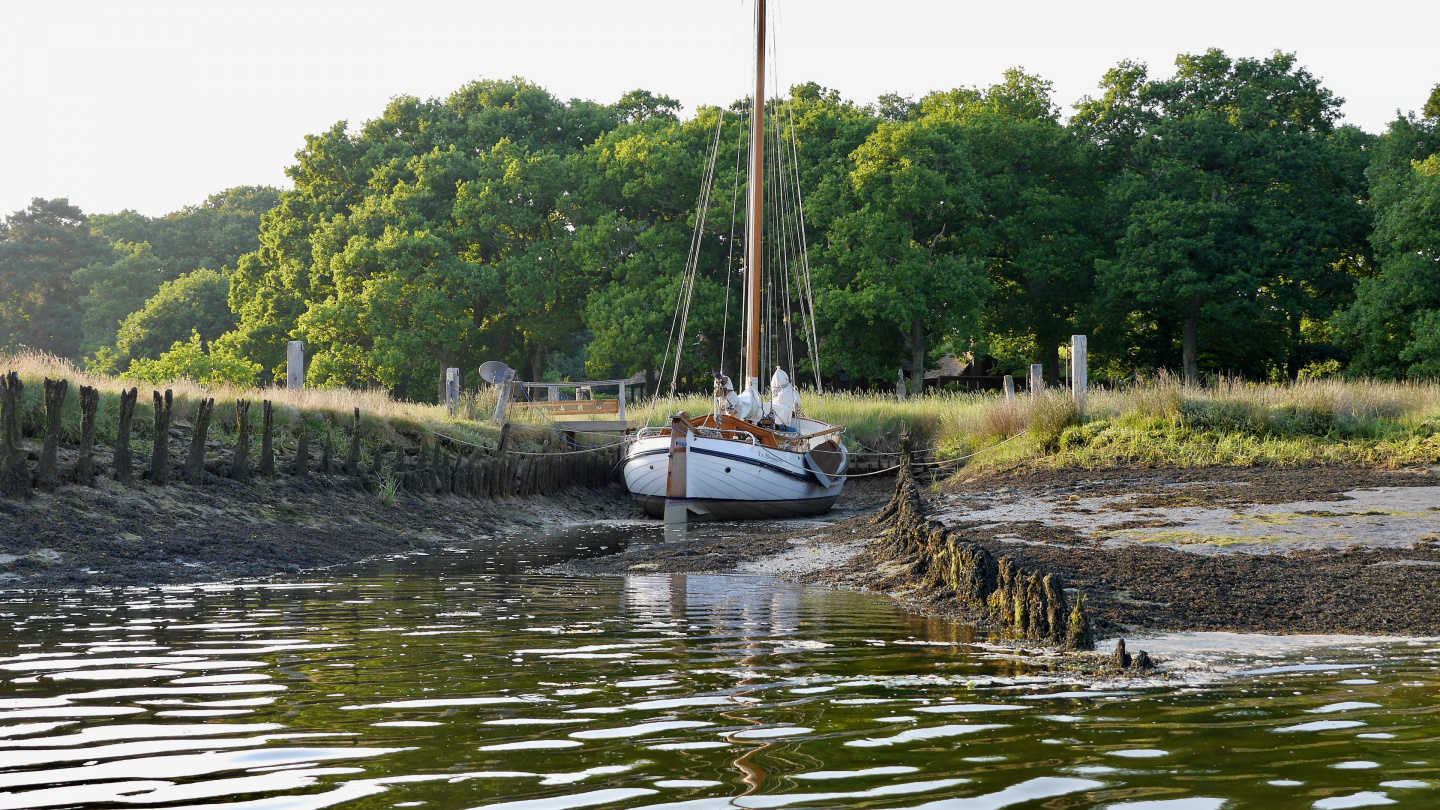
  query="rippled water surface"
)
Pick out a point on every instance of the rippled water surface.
point(455, 680)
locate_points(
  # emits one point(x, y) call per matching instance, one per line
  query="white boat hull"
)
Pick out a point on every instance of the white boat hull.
point(729, 480)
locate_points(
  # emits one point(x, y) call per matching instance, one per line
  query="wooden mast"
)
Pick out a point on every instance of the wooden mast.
point(757, 194)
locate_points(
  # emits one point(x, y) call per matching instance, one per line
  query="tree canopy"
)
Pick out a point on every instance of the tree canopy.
point(1222, 219)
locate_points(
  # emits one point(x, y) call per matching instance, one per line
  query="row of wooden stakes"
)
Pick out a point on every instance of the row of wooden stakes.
point(481, 473)
point(1031, 603)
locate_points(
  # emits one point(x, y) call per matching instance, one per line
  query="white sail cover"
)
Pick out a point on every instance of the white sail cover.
point(784, 399)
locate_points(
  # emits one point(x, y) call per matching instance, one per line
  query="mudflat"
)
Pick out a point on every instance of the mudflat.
point(138, 534)
point(1312, 550)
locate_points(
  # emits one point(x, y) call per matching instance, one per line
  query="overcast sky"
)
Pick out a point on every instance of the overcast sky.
point(155, 105)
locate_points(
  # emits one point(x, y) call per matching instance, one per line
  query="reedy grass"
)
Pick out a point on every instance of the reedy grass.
point(1156, 421)
point(382, 418)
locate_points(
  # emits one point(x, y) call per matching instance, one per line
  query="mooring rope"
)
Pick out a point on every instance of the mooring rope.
point(931, 464)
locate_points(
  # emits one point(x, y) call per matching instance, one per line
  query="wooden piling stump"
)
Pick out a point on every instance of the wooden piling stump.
point(160, 451)
point(85, 463)
point(352, 461)
point(195, 461)
point(240, 462)
point(14, 472)
point(124, 457)
point(267, 440)
point(301, 467)
point(47, 477)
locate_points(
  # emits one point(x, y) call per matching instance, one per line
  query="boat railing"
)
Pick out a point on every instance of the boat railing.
point(706, 432)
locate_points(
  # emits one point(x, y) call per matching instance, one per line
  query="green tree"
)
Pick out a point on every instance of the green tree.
point(41, 248)
point(433, 236)
point(114, 289)
point(894, 277)
point(1393, 328)
point(215, 233)
point(1038, 230)
point(196, 302)
point(1239, 196)
point(190, 360)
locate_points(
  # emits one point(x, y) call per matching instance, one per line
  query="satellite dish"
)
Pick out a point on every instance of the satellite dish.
point(494, 371)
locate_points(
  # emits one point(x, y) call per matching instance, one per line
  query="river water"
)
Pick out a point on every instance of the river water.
point(457, 680)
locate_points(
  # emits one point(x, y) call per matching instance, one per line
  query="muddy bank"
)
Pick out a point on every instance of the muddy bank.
point(1280, 551)
point(1137, 543)
point(115, 535)
point(778, 548)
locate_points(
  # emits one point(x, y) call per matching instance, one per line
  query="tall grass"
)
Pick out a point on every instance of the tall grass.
point(1151, 421)
point(321, 411)
point(1230, 422)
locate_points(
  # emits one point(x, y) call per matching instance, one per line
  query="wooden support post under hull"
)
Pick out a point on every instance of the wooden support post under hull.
point(676, 509)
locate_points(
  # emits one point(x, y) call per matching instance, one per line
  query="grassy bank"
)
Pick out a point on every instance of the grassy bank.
point(1152, 422)
point(321, 413)
point(1161, 422)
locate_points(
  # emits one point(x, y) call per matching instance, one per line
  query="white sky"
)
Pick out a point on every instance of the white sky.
point(155, 105)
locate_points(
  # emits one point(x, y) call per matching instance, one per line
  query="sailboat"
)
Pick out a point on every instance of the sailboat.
point(751, 457)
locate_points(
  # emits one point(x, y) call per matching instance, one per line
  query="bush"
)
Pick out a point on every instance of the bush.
point(190, 361)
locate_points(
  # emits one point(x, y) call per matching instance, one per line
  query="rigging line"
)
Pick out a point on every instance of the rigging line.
point(692, 262)
point(813, 338)
point(730, 259)
point(784, 335)
point(786, 234)
point(935, 464)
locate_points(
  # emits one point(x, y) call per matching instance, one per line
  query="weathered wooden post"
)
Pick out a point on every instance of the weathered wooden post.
point(1037, 381)
point(1009, 388)
point(295, 365)
point(301, 467)
point(326, 453)
point(14, 473)
point(85, 464)
point(195, 462)
point(900, 383)
point(438, 465)
point(160, 450)
point(1078, 374)
point(267, 440)
point(47, 477)
point(397, 465)
point(452, 390)
point(502, 399)
point(352, 461)
point(124, 458)
point(240, 463)
point(377, 460)
point(421, 479)
point(677, 510)
point(622, 401)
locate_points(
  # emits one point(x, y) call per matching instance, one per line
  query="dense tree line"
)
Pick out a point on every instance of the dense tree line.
point(1219, 220)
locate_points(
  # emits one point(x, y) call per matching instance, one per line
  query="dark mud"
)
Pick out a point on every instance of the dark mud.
point(1198, 486)
point(119, 535)
point(724, 548)
point(1130, 588)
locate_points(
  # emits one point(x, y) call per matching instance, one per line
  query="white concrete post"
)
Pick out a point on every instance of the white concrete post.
point(1037, 381)
point(295, 365)
point(1078, 376)
point(1009, 388)
point(452, 390)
